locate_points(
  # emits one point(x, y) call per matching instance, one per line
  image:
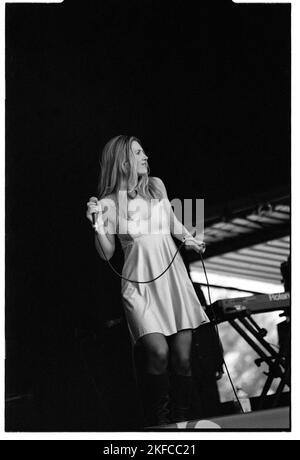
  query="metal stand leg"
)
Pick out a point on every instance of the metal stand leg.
point(281, 363)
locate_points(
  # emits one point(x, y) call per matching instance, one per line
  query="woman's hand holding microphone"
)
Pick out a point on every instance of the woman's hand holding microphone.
point(94, 213)
point(105, 243)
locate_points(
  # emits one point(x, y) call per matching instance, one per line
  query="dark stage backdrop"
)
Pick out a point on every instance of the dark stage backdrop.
point(207, 90)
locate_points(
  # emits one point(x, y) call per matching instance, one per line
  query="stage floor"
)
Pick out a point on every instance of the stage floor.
point(270, 419)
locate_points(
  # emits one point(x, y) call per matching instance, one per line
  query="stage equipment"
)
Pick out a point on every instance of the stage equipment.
point(228, 308)
point(238, 313)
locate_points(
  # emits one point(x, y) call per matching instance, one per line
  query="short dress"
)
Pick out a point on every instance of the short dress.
point(168, 304)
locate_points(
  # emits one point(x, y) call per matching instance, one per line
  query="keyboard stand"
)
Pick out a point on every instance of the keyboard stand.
point(273, 358)
point(285, 379)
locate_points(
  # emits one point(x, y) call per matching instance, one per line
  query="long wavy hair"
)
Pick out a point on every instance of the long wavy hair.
point(113, 169)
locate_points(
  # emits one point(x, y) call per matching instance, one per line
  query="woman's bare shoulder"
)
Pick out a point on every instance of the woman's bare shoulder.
point(157, 180)
point(108, 199)
point(108, 205)
point(159, 183)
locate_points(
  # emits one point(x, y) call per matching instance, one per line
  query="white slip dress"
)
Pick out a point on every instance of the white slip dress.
point(168, 304)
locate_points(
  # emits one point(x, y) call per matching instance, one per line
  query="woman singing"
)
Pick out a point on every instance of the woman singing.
point(160, 314)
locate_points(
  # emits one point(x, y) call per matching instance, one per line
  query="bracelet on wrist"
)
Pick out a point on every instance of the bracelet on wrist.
point(187, 237)
point(99, 227)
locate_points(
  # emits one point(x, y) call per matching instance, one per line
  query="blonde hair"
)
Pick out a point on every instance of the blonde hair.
point(113, 168)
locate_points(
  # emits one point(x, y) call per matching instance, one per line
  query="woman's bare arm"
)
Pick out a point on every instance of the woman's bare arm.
point(104, 226)
point(178, 230)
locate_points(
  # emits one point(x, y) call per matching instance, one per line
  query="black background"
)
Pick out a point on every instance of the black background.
point(204, 85)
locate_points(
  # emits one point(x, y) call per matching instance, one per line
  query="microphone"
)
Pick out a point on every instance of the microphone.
point(94, 214)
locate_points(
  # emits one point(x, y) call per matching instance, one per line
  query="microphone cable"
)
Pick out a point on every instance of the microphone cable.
point(215, 323)
point(136, 281)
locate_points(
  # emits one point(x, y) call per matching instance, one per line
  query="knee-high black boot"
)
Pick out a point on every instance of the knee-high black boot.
point(181, 394)
point(155, 398)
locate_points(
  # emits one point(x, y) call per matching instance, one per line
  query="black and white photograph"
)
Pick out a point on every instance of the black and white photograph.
point(148, 217)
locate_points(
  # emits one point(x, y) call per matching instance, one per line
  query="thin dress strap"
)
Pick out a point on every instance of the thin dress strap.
point(117, 216)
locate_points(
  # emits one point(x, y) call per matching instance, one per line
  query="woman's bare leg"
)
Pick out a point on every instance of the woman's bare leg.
point(180, 347)
point(157, 352)
point(181, 376)
point(154, 383)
